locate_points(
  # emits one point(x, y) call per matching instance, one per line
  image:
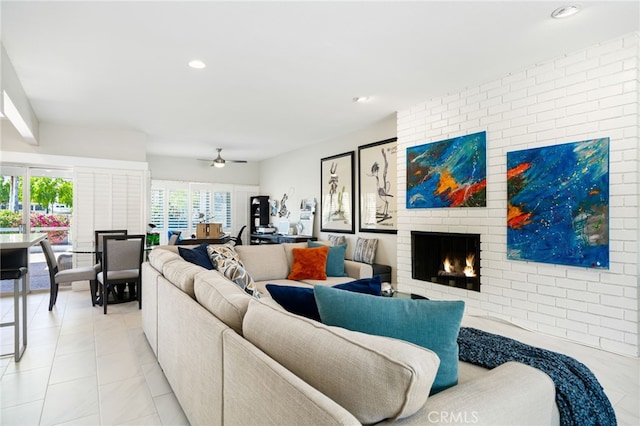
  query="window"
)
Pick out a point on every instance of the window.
point(222, 209)
point(178, 209)
point(157, 207)
point(180, 206)
point(201, 206)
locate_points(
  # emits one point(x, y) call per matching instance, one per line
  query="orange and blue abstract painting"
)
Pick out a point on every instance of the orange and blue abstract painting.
point(558, 204)
point(449, 173)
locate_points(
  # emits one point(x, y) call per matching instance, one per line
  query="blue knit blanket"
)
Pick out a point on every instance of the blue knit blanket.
point(579, 396)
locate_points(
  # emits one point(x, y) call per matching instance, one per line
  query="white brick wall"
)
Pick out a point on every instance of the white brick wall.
point(589, 94)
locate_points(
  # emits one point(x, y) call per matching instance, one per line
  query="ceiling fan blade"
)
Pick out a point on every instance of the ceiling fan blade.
point(219, 161)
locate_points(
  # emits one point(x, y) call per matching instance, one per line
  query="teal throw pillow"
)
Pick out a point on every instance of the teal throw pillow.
point(335, 259)
point(431, 324)
point(301, 301)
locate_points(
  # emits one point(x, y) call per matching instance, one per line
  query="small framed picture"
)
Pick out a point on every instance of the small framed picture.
point(336, 189)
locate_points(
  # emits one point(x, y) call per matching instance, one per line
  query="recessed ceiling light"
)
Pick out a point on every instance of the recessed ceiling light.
point(361, 99)
point(197, 64)
point(565, 11)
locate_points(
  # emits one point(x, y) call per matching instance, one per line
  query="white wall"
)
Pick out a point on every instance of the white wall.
point(192, 170)
point(10, 84)
point(297, 174)
point(9, 136)
point(77, 141)
point(589, 94)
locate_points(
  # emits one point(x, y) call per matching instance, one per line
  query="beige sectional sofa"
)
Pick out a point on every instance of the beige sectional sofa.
point(271, 264)
point(232, 359)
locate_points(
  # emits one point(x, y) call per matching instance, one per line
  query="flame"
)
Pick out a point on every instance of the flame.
point(454, 266)
point(447, 265)
point(468, 270)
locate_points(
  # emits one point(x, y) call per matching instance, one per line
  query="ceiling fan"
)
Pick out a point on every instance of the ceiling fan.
point(219, 162)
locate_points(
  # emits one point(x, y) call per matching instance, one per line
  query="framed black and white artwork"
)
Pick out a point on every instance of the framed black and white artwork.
point(337, 193)
point(377, 180)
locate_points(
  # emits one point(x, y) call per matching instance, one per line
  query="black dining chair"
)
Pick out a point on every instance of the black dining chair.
point(58, 275)
point(121, 265)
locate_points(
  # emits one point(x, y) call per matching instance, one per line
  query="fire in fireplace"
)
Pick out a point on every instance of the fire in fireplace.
point(446, 258)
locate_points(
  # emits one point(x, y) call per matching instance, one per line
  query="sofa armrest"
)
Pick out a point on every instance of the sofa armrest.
point(510, 394)
point(358, 270)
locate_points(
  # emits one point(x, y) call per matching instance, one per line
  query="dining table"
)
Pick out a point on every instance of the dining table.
point(14, 257)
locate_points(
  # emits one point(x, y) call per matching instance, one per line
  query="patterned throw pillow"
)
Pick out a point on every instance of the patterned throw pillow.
point(337, 240)
point(365, 250)
point(217, 252)
point(234, 271)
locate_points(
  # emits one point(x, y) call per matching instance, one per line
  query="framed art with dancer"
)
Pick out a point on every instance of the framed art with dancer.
point(336, 188)
point(377, 180)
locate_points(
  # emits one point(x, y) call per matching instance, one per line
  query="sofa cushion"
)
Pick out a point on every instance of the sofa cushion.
point(309, 263)
point(288, 251)
point(301, 301)
point(264, 262)
point(181, 274)
point(158, 257)
point(428, 323)
point(196, 255)
point(373, 377)
point(225, 300)
point(335, 259)
point(365, 250)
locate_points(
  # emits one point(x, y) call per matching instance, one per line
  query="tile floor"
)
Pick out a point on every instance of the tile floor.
point(82, 367)
point(85, 368)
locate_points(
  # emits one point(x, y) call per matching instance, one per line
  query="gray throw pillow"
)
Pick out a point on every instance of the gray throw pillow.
point(365, 250)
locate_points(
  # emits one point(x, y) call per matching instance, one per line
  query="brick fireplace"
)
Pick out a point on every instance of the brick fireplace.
point(541, 105)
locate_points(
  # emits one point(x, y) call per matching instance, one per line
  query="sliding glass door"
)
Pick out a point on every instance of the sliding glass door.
point(43, 205)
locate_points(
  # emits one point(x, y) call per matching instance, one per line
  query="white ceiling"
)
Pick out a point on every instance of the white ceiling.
point(280, 75)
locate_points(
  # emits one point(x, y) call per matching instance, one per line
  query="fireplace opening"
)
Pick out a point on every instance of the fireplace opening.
point(446, 258)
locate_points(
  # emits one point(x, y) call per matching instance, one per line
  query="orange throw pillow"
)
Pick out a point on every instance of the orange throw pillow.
point(309, 263)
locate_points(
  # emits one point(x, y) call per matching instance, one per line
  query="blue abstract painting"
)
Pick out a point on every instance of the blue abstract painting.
point(449, 173)
point(558, 204)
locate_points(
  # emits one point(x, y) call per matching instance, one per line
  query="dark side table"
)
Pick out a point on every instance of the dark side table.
point(403, 295)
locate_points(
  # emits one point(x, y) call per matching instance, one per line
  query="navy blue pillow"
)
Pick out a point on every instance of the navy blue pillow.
point(365, 285)
point(197, 255)
point(301, 300)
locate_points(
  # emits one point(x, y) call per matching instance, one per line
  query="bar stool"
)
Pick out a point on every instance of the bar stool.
point(17, 275)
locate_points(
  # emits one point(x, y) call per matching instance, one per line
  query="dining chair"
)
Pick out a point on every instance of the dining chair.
point(98, 235)
point(98, 240)
point(58, 275)
point(121, 264)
